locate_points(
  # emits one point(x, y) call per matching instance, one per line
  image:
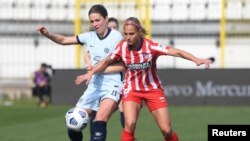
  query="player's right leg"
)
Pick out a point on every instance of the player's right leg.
point(108, 103)
point(89, 102)
point(99, 126)
point(131, 113)
point(131, 108)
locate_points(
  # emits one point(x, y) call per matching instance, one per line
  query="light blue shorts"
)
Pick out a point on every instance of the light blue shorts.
point(92, 97)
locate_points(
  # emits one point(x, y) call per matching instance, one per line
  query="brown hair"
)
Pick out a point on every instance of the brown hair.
point(99, 9)
point(134, 21)
point(112, 19)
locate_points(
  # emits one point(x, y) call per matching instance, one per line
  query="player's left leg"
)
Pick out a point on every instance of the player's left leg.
point(74, 135)
point(157, 104)
point(99, 128)
point(163, 120)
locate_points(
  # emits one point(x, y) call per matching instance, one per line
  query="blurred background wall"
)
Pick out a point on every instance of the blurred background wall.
point(206, 28)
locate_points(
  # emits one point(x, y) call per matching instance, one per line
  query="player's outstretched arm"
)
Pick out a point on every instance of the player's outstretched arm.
point(181, 53)
point(115, 67)
point(60, 39)
point(100, 67)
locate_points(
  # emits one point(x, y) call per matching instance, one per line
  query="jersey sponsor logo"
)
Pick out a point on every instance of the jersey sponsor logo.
point(139, 66)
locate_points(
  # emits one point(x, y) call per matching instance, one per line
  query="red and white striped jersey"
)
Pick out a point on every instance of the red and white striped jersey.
point(141, 74)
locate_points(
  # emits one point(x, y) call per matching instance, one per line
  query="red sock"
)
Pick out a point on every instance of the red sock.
point(127, 136)
point(173, 138)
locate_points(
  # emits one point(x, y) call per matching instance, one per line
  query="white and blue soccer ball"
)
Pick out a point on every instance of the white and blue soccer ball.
point(76, 119)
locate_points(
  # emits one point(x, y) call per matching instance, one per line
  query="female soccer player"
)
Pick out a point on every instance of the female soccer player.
point(104, 90)
point(142, 83)
point(113, 24)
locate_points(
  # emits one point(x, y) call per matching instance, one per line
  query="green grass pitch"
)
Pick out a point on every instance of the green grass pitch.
point(24, 121)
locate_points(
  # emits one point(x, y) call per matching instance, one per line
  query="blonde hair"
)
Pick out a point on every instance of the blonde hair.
point(134, 21)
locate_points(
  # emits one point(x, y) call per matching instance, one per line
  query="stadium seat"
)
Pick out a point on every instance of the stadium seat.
point(234, 9)
point(22, 10)
point(70, 11)
point(198, 10)
point(246, 10)
point(161, 10)
point(127, 9)
point(113, 9)
point(57, 10)
point(39, 9)
point(6, 9)
point(214, 10)
point(180, 10)
point(85, 10)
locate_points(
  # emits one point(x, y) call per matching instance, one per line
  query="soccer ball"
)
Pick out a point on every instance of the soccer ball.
point(76, 119)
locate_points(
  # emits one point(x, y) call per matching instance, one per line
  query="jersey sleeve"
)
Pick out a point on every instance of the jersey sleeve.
point(116, 54)
point(82, 38)
point(159, 49)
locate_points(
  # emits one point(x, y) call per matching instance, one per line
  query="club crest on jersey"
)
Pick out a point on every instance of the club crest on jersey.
point(139, 66)
point(145, 55)
point(106, 50)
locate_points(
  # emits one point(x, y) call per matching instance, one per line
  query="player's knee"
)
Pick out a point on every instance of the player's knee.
point(130, 126)
point(167, 132)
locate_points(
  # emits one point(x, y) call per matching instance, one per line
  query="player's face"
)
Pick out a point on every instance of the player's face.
point(98, 23)
point(131, 34)
point(113, 25)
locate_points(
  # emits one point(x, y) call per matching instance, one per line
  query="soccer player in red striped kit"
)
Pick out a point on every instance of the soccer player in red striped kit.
point(142, 83)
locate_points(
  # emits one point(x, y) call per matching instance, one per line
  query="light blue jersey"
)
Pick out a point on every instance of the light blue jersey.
point(100, 48)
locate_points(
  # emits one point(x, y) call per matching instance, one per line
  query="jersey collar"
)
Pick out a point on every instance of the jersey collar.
point(101, 38)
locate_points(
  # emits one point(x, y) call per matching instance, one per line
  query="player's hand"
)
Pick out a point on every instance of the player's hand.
point(206, 62)
point(43, 30)
point(86, 77)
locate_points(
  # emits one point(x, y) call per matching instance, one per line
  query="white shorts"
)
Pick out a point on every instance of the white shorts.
point(92, 97)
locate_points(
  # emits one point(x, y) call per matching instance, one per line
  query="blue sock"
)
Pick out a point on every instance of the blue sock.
point(91, 123)
point(75, 136)
point(99, 131)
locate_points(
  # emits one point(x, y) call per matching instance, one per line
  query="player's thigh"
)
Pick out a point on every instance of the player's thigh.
point(131, 112)
point(108, 103)
point(107, 107)
point(162, 118)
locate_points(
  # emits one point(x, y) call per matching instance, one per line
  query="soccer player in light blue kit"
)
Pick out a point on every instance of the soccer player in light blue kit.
point(103, 92)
